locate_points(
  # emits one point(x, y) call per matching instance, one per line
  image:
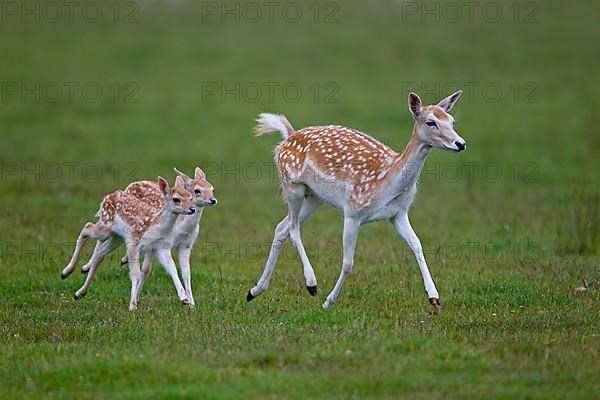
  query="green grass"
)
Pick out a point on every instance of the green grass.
point(507, 254)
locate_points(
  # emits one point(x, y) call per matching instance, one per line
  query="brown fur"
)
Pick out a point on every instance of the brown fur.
point(139, 215)
point(439, 113)
point(148, 192)
point(340, 154)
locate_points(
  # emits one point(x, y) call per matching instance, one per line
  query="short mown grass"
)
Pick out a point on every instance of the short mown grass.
point(514, 256)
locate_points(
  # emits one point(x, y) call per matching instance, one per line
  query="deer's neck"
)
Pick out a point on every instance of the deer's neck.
point(407, 166)
point(191, 221)
point(165, 220)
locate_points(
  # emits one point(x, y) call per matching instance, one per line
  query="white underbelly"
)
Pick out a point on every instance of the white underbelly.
point(332, 194)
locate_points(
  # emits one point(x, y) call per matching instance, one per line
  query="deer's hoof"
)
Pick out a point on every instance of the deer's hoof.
point(78, 295)
point(185, 302)
point(84, 271)
point(63, 276)
point(249, 296)
point(123, 262)
point(312, 290)
point(436, 303)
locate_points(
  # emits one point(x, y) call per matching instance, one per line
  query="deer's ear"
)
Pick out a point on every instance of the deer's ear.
point(199, 174)
point(449, 101)
point(163, 185)
point(414, 104)
point(179, 181)
point(184, 178)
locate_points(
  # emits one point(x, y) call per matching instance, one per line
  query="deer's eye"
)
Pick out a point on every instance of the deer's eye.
point(176, 200)
point(197, 191)
point(431, 123)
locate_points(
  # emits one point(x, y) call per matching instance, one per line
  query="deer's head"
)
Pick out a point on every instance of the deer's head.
point(433, 125)
point(201, 189)
point(178, 199)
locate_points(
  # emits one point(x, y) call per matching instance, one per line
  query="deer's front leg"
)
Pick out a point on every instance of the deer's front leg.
point(146, 268)
point(351, 227)
point(184, 253)
point(402, 225)
point(164, 257)
point(133, 254)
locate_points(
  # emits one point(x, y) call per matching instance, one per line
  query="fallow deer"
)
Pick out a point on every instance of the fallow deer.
point(186, 229)
point(124, 217)
point(364, 178)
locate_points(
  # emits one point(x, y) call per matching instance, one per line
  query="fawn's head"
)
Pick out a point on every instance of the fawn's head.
point(201, 189)
point(178, 200)
point(433, 125)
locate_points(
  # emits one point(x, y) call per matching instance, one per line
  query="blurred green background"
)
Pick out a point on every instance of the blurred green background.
point(97, 94)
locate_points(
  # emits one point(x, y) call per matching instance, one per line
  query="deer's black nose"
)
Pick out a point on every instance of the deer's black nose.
point(213, 201)
point(460, 145)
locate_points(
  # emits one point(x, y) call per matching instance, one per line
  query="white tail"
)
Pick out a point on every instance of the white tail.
point(268, 123)
point(364, 178)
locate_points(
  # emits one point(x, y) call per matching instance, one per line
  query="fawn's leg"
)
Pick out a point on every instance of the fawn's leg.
point(84, 235)
point(309, 206)
point(133, 254)
point(351, 227)
point(100, 252)
point(124, 260)
point(164, 257)
point(405, 230)
point(184, 254)
point(146, 268)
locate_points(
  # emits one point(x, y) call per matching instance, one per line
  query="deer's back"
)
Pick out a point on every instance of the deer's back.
point(121, 208)
point(340, 164)
point(146, 191)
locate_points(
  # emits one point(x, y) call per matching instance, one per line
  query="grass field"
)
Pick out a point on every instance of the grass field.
point(510, 227)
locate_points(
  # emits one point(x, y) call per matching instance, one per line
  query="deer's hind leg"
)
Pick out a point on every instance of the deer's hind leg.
point(282, 232)
point(100, 252)
point(90, 230)
point(295, 195)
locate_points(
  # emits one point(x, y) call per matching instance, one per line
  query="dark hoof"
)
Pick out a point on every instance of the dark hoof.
point(249, 296)
point(435, 302)
point(63, 277)
point(77, 297)
point(124, 262)
point(312, 290)
point(84, 272)
point(186, 302)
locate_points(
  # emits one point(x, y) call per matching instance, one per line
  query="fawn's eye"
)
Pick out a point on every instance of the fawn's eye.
point(197, 191)
point(431, 123)
point(176, 200)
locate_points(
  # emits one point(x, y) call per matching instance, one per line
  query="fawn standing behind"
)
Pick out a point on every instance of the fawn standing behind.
point(186, 229)
point(123, 217)
point(352, 171)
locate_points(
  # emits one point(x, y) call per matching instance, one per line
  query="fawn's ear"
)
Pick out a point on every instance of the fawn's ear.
point(414, 104)
point(199, 174)
point(186, 179)
point(449, 101)
point(163, 185)
point(179, 181)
